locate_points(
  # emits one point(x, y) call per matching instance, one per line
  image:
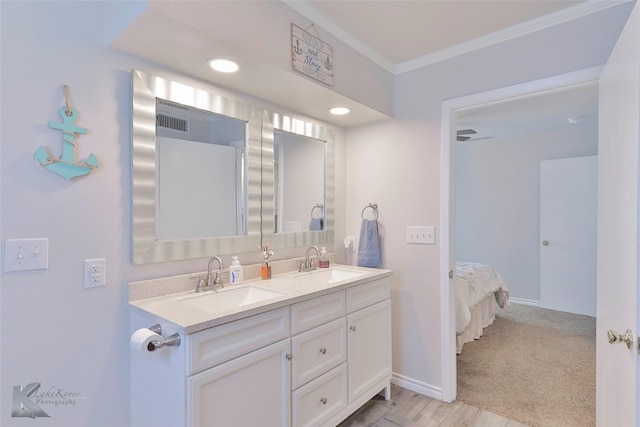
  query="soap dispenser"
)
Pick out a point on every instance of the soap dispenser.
point(235, 271)
point(323, 262)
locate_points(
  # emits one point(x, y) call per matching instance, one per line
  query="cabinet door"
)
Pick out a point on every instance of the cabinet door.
point(249, 391)
point(368, 347)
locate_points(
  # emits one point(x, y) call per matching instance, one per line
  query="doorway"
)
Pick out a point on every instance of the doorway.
point(451, 109)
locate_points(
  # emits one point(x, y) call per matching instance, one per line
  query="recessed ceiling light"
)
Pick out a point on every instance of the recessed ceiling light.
point(224, 65)
point(575, 120)
point(339, 111)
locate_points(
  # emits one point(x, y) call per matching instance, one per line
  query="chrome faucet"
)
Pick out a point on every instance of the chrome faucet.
point(217, 280)
point(309, 264)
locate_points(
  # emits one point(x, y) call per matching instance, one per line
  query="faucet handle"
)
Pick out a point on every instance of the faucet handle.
point(217, 280)
point(200, 284)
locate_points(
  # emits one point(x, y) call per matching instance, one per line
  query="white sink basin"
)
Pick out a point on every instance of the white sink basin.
point(329, 275)
point(226, 299)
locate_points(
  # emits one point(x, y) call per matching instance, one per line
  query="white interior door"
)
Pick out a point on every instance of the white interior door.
point(617, 370)
point(568, 203)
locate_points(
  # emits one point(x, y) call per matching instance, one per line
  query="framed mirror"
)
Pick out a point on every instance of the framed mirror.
point(298, 183)
point(196, 172)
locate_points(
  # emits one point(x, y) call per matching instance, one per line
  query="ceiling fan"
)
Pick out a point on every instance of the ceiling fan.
point(461, 134)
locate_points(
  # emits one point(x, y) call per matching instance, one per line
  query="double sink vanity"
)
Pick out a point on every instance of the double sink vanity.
point(299, 349)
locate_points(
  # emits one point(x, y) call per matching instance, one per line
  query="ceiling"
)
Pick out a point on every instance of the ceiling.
point(567, 107)
point(398, 35)
point(420, 32)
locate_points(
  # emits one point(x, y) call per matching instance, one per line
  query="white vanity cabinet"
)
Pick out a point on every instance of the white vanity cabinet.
point(308, 364)
point(245, 391)
point(328, 383)
point(319, 349)
point(368, 338)
point(237, 374)
point(235, 379)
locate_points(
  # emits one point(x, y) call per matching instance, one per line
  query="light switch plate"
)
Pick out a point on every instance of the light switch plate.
point(421, 235)
point(26, 254)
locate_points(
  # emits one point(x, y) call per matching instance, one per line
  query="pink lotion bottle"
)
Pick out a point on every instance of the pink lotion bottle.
point(324, 261)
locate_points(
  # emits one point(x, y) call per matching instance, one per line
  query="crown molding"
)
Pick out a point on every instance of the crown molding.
point(509, 33)
point(577, 11)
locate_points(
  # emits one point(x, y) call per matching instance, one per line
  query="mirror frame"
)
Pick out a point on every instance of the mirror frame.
point(146, 248)
point(285, 123)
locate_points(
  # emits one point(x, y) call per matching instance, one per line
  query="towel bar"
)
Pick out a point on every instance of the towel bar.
point(373, 206)
point(318, 206)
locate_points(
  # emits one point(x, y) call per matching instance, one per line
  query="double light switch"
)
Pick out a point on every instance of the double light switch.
point(26, 254)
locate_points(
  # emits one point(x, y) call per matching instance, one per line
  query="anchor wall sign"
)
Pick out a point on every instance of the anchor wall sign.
point(311, 56)
point(66, 164)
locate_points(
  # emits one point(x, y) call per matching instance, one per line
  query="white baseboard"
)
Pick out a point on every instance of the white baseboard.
point(521, 301)
point(417, 386)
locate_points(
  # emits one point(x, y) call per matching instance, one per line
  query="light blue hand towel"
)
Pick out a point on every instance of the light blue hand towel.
point(369, 245)
point(315, 224)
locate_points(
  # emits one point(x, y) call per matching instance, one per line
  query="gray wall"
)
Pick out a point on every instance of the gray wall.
point(498, 201)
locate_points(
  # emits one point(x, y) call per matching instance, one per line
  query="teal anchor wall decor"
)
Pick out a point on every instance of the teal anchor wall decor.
point(66, 165)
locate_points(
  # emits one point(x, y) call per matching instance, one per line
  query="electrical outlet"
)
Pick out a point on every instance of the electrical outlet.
point(95, 272)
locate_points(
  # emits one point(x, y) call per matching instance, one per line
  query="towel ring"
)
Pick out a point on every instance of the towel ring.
point(318, 206)
point(373, 206)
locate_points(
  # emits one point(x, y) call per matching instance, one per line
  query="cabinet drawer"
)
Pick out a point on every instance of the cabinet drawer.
point(315, 312)
point(362, 296)
point(221, 343)
point(318, 350)
point(322, 398)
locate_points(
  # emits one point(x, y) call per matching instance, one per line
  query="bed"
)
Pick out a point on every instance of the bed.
point(478, 288)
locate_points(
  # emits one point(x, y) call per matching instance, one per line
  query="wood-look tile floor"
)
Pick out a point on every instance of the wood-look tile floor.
point(418, 410)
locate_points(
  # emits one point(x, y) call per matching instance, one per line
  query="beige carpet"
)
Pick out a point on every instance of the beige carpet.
point(534, 366)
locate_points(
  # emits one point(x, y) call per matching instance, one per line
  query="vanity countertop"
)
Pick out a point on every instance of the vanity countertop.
point(189, 311)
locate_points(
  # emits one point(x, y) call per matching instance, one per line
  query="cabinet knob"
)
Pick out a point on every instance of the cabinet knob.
point(323, 400)
point(323, 350)
point(289, 356)
point(352, 328)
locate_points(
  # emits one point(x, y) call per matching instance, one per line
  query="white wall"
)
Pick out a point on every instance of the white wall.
point(54, 331)
point(397, 164)
point(498, 201)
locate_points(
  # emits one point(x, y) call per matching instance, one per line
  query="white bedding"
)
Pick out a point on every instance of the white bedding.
point(474, 282)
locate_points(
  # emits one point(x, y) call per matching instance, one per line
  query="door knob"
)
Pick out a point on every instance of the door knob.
point(545, 243)
point(626, 338)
